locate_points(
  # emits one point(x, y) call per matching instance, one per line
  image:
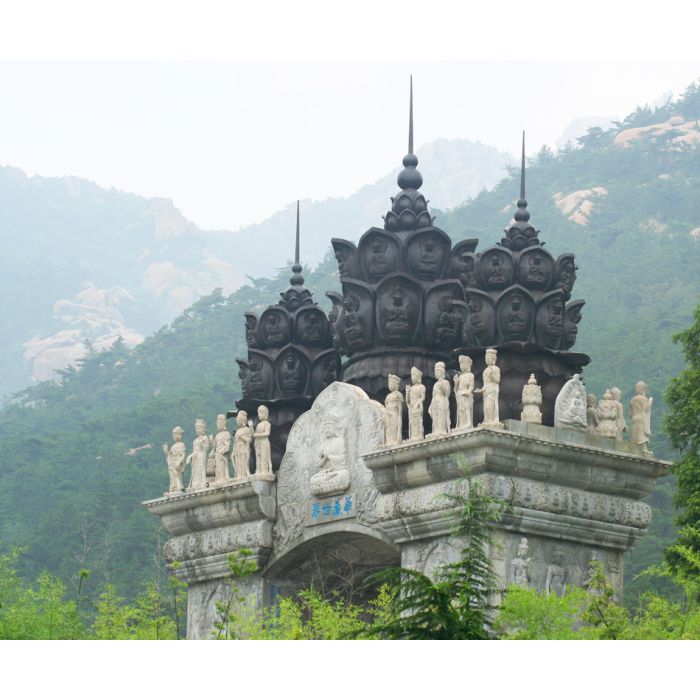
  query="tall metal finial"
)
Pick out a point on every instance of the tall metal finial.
point(297, 279)
point(522, 170)
point(410, 119)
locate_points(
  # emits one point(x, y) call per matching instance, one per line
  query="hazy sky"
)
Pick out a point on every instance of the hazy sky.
point(233, 142)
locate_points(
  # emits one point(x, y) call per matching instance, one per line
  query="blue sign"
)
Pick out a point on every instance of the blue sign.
point(331, 509)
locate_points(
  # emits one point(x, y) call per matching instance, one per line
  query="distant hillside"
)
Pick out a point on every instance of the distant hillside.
point(87, 265)
point(80, 455)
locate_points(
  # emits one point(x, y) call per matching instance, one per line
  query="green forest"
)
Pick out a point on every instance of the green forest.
point(78, 456)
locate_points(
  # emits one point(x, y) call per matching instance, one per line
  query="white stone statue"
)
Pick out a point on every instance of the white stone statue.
point(331, 464)
point(175, 457)
point(241, 446)
point(570, 406)
point(464, 393)
point(640, 414)
point(198, 458)
point(607, 416)
point(393, 405)
point(532, 400)
point(555, 581)
point(415, 397)
point(263, 455)
point(591, 414)
point(222, 450)
point(519, 567)
point(439, 409)
point(621, 424)
point(491, 381)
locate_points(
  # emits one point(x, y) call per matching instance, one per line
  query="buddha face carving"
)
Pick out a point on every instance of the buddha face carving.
point(341, 256)
point(251, 323)
point(555, 319)
point(429, 255)
point(496, 274)
point(467, 276)
point(351, 323)
point(550, 320)
point(377, 258)
point(572, 317)
point(311, 327)
point(254, 379)
point(516, 324)
point(566, 274)
point(274, 328)
point(397, 323)
point(535, 273)
point(449, 326)
point(292, 376)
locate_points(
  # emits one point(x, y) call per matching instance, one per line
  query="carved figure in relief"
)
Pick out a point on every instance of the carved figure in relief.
point(199, 455)
point(464, 393)
point(535, 274)
point(591, 414)
point(640, 414)
point(292, 378)
point(333, 473)
point(241, 446)
point(254, 380)
point(607, 416)
point(429, 258)
point(311, 328)
point(570, 406)
point(415, 397)
point(532, 400)
point(439, 409)
point(351, 323)
point(392, 412)
point(621, 424)
point(491, 379)
point(519, 567)
point(175, 457)
point(397, 323)
point(263, 455)
point(516, 322)
point(496, 275)
point(555, 581)
point(448, 327)
point(273, 330)
point(377, 259)
point(222, 449)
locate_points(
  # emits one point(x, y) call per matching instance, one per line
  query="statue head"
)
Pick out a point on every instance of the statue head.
point(523, 547)
point(440, 370)
point(394, 381)
point(590, 400)
point(221, 422)
point(416, 375)
point(616, 393)
point(241, 419)
point(178, 434)
point(532, 380)
point(200, 426)
point(558, 555)
point(465, 363)
point(491, 357)
point(607, 396)
point(263, 412)
point(640, 388)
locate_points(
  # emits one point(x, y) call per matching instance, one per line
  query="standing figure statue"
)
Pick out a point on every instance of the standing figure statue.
point(621, 424)
point(175, 457)
point(241, 446)
point(591, 414)
point(491, 381)
point(263, 455)
point(393, 405)
point(532, 400)
point(415, 397)
point(464, 393)
point(640, 413)
point(519, 567)
point(439, 409)
point(222, 450)
point(607, 416)
point(556, 574)
point(199, 455)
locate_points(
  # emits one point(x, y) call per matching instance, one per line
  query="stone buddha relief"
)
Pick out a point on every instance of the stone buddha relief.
point(565, 274)
point(379, 254)
point(398, 309)
point(356, 320)
point(311, 327)
point(260, 378)
point(427, 253)
point(463, 262)
point(496, 268)
point(572, 317)
point(549, 322)
point(445, 313)
point(274, 327)
point(292, 370)
point(515, 315)
point(480, 325)
point(347, 257)
point(535, 269)
point(251, 325)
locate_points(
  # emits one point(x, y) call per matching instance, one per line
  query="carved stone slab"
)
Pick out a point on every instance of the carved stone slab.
point(329, 439)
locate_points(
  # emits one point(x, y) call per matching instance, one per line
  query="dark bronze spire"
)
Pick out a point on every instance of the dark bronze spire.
point(297, 279)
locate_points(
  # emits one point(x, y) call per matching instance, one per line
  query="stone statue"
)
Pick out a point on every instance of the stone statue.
point(415, 397)
point(556, 574)
point(393, 405)
point(199, 455)
point(464, 393)
point(570, 406)
point(607, 416)
point(439, 409)
point(491, 379)
point(263, 455)
point(222, 450)
point(241, 446)
point(532, 400)
point(175, 457)
point(621, 424)
point(519, 567)
point(591, 414)
point(333, 473)
point(640, 413)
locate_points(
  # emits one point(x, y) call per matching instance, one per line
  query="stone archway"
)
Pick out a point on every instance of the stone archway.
point(335, 562)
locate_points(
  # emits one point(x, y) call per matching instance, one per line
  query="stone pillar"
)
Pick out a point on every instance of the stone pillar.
point(208, 526)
